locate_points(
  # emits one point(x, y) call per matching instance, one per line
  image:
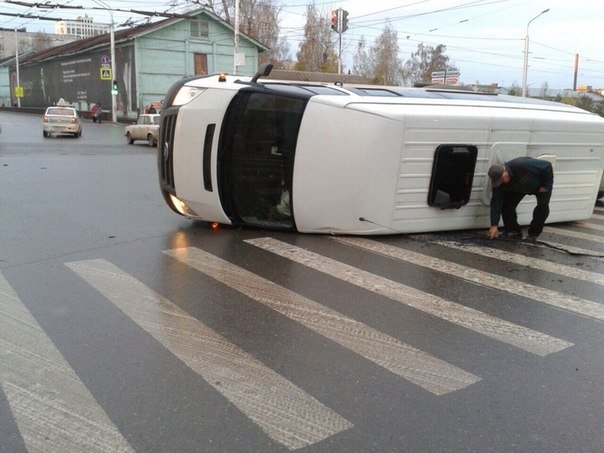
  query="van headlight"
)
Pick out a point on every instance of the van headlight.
point(186, 94)
point(182, 207)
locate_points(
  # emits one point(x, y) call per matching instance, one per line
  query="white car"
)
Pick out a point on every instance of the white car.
point(61, 119)
point(146, 128)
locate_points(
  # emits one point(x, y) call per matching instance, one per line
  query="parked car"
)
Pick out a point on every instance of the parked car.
point(61, 120)
point(146, 128)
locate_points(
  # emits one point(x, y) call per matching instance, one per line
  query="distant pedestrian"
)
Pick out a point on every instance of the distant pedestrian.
point(152, 109)
point(99, 112)
point(93, 112)
point(511, 182)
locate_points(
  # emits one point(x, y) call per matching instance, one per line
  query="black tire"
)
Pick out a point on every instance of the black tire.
point(46, 134)
point(151, 140)
point(600, 194)
point(129, 138)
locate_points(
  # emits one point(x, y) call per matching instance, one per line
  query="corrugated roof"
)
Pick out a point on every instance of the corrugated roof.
point(82, 45)
point(121, 36)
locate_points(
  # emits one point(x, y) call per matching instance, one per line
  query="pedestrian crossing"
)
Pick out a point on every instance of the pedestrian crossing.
point(282, 410)
point(52, 407)
point(50, 403)
point(418, 367)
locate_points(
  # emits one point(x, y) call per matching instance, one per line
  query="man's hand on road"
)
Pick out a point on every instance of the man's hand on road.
point(493, 232)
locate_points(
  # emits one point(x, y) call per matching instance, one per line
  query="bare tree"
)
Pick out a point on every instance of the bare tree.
point(424, 62)
point(515, 90)
point(361, 64)
point(317, 50)
point(384, 55)
point(258, 19)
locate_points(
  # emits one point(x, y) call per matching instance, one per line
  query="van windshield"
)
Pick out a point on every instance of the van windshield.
point(256, 157)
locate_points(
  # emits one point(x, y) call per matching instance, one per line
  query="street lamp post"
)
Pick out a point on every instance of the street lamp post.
point(526, 52)
point(113, 74)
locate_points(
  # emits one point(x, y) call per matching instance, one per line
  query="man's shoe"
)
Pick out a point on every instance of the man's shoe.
point(531, 238)
point(514, 235)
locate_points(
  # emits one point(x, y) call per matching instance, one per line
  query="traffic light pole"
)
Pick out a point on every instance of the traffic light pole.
point(339, 24)
point(340, 53)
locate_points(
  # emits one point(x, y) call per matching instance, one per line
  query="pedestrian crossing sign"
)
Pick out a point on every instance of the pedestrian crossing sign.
point(105, 73)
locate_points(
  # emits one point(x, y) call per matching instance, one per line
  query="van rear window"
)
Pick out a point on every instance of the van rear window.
point(60, 111)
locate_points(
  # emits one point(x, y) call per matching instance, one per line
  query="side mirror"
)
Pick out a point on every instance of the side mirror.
point(263, 71)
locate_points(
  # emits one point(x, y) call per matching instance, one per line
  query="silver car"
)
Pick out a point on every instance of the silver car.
point(146, 128)
point(61, 120)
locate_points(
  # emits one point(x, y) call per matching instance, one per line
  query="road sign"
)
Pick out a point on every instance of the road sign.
point(105, 73)
point(19, 91)
point(105, 60)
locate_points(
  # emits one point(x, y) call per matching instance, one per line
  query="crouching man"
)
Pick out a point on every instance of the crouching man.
point(511, 182)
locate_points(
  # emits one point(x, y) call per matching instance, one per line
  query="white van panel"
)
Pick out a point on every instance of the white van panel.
point(341, 174)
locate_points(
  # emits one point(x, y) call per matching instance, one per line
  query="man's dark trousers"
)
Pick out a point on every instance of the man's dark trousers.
point(540, 213)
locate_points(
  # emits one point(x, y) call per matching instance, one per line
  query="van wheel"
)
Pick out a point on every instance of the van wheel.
point(129, 138)
point(151, 140)
point(600, 194)
point(46, 134)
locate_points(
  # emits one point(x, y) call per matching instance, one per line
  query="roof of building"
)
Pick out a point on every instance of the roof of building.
point(125, 35)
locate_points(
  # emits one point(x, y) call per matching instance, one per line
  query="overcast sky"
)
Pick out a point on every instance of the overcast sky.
point(484, 38)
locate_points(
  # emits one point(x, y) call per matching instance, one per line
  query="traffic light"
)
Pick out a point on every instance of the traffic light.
point(334, 20)
point(114, 87)
point(344, 21)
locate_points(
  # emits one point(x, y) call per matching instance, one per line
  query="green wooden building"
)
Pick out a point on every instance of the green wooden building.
point(148, 60)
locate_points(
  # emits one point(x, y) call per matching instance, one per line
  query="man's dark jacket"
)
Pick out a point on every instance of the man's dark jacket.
point(527, 175)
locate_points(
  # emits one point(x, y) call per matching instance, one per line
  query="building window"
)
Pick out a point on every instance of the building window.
point(200, 28)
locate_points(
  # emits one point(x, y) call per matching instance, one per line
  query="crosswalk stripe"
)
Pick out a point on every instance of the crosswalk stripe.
point(52, 407)
point(477, 321)
point(522, 260)
point(432, 374)
point(574, 234)
point(553, 298)
point(283, 411)
point(597, 208)
point(572, 249)
point(591, 226)
point(597, 216)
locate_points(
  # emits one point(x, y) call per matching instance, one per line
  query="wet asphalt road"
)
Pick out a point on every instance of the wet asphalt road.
point(126, 327)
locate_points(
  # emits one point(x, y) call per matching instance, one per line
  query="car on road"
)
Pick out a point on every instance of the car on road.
point(146, 128)
point(60, 119)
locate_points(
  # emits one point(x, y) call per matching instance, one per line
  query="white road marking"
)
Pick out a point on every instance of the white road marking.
point(283, 411)
point(574, 234)
point(477, 321)
point(597, 208)
point(522, 260)
point(546, 296)
point(597, 216)
point(52, 408)
point(591, 226)
point(430, 373)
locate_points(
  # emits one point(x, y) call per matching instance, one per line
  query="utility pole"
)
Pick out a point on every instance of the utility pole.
point(17, 67)
point(576, 72)
point(236, 39)
point(113, 73)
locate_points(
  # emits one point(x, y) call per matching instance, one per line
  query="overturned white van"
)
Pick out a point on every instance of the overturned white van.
point(363, 160)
